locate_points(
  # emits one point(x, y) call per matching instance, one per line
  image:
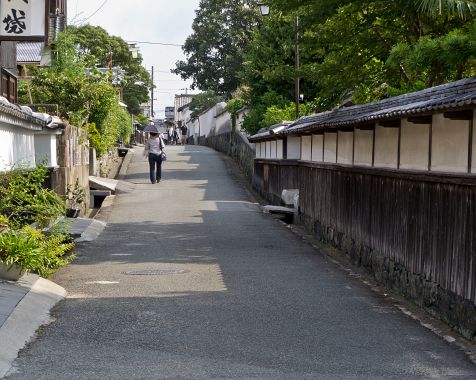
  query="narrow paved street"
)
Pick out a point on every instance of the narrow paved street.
point(235, 295)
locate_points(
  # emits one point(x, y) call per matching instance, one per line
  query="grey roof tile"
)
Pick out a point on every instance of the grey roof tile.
point(29, 52)
point(455, 95)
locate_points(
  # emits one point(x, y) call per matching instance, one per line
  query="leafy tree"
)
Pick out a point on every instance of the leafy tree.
point(85, 96)
point(362, 50)
point(222, 31)
point(439, 7)
point(105, 50)
point(233, 106)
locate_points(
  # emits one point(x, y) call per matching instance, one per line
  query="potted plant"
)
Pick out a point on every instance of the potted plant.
point(75, 195)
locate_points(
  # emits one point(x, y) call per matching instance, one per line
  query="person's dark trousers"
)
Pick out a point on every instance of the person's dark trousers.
point(155, 164)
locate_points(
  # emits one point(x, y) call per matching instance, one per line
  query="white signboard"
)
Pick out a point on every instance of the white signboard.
point(22, 20)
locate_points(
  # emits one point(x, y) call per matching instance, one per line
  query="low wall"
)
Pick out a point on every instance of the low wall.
point(235, 145)
point(414, 232)
point(73, 163)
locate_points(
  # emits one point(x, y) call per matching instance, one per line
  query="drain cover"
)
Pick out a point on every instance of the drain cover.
point(154, 272)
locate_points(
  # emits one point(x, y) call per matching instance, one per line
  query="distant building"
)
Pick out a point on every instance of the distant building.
point(170, 114)
point(180, 101)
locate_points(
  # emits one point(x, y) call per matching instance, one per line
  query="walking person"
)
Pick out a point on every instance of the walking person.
point(170, 135)
point(176, 136)
point(154, 147)
point(184, 131)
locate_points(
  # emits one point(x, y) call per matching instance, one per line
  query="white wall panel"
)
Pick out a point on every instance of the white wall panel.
point(330, 147)
point(386, 147)
point(345, 149)
point(363, 147)
point(414, 146)
point(294, 147)
point(449, 145)
point(279, 149)
point(318, 148)
point(306, 152)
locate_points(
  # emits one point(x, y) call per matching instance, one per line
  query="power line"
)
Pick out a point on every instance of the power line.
point(96, 11)
point(154, 43)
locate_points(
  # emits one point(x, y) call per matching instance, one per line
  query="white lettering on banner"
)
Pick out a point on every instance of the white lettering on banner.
point(22, 18)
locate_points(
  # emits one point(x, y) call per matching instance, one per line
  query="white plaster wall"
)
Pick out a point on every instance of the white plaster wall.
point(207, 122)
point(294, 148)
point(473, 161)
point(330, 147)
point(273, 149)
point(45, 150)
point(306, 153)
point(279, 149)
point(450, 145)
point(223, 123)
point(268, 149)
point(17, 147)
point(386, 147)
point(345, 149)
point(414, 146)
point(260, 150)
point(317, 147)
point(240, 118)
point(363, 146)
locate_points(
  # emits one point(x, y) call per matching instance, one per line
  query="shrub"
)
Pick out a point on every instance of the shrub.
point(24, 199)
point(33, 251)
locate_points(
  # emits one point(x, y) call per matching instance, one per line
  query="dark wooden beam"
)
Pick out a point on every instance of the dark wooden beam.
point(365, 127)
point(420, 119)
point(346, 129)
point(390, 123)
point(459, 115)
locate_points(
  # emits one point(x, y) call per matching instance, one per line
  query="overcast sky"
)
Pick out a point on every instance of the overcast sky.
point(164, 21)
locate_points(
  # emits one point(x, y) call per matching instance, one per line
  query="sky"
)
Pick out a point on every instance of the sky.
point(162, 21)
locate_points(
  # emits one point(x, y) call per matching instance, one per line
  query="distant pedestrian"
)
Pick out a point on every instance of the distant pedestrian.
point(170, 135)
point(176, 136)
point(184, 131)
point(154, 148)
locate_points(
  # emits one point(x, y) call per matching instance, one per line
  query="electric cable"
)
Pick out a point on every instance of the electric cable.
point(96, 11)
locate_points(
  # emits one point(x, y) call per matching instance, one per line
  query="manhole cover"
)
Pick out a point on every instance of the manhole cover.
point(154, 272)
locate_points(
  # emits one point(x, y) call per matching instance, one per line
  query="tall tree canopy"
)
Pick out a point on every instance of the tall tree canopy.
point(222, 31)
point(362, 50)
point(104, 50)
point(350, 50)
point(84, 95)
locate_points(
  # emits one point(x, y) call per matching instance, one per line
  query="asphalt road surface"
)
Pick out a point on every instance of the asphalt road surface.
point(190, 280)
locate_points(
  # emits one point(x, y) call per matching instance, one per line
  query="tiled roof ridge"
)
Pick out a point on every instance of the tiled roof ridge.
point(15, 110)
point(433, 98)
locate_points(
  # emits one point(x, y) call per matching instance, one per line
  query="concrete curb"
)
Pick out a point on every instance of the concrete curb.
point(30, 313)
point(125, 164)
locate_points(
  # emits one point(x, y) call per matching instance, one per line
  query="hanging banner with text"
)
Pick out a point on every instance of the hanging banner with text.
point(23, 20)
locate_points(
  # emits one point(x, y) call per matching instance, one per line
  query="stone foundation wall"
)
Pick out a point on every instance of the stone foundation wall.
point(235, 145)
point(456, 311)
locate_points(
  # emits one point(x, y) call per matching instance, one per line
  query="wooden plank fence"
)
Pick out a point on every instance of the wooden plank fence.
point(423, 225)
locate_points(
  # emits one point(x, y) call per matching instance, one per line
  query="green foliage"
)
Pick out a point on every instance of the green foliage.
point(222, 31)
point(433, 61)
point(102, 49)
point(203, 101)
point(450, 7)
point(75, 194)
point(275, 114)
point(363, 50)
point(84, 95)
point(33, 251)
point(24, 200)
point(233, 106)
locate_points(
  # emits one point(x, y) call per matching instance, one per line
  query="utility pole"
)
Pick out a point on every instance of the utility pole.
point(297, 90)
point(152, 94)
